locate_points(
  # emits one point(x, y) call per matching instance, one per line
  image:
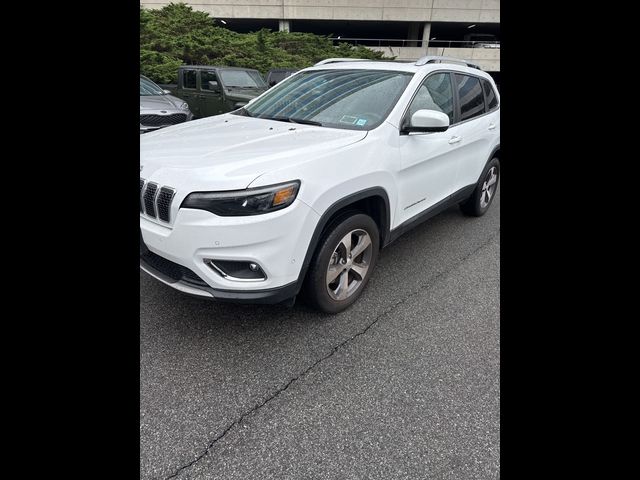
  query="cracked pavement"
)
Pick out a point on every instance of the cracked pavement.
point(405, 384)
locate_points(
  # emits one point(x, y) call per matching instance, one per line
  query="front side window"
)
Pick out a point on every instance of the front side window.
point(435, 93)
point(347, 99)
point(189, 78)
point(470, 95)
point(205, 78)
point(241, 79)
point(492, 99)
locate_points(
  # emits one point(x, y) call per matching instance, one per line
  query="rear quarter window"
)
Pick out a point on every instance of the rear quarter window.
point(490, 94)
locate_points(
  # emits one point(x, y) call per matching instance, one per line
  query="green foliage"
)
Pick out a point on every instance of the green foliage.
point(177, 35)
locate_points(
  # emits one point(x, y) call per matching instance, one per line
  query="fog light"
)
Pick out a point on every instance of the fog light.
point(237, 270)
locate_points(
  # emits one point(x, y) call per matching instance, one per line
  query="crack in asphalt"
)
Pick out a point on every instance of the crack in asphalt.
point(428, 284)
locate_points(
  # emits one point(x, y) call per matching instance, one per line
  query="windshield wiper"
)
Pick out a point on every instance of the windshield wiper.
point(293, 120)
point(304, 121)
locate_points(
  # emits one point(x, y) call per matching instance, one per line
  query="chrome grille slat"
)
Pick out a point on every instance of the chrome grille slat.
point(149, 197)
point(163, 203)
point(141, 188)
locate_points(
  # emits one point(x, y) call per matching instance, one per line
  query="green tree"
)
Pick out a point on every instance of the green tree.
point(178, 35)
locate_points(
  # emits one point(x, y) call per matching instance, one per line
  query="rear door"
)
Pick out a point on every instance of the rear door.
point(210, 93)
point(189, 91)
point(477, 129)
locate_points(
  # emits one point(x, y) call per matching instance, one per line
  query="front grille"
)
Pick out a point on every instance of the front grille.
point(173, 270)
point(149, 198)
point(162, 120)
point(155, 201)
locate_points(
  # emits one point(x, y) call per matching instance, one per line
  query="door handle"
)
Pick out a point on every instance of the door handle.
point(454, 139)
point(492, 126)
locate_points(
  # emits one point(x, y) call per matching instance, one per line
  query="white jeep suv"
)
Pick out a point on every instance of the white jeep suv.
point(300, 189)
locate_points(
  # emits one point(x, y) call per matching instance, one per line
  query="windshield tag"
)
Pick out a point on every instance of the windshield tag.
point(348, 119)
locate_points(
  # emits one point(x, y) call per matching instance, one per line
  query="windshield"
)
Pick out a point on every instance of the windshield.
point(147, 87)
point(241, 79)
point(347, 99)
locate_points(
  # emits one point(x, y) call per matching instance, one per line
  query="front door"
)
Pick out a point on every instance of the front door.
point(429, 161)
point(211, 93)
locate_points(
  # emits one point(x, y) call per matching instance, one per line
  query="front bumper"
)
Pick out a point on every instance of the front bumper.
point(276, 241)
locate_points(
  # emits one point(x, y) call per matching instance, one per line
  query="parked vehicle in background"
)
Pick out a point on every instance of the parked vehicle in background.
point(300, 189)
point(158, 108)
point(213, 90)
point(276, 75)
point(481, 40)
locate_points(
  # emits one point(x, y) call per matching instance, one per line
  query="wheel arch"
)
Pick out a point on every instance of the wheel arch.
point(371, 201)
point(495, 153)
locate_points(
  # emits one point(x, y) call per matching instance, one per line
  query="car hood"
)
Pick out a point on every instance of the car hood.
point(159, 102)
point(228, 152)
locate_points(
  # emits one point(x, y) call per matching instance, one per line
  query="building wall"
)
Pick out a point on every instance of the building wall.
point(392, 10)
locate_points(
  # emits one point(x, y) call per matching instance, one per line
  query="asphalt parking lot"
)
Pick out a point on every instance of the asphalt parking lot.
point(405, 384)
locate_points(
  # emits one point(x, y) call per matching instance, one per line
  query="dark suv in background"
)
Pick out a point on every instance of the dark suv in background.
point(214, 90)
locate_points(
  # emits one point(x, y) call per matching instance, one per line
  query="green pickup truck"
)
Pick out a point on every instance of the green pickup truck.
point(215, 90)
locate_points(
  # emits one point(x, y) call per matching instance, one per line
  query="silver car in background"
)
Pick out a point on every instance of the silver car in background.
point(158, 108)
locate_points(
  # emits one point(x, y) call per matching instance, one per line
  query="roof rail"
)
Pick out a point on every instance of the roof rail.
point(336, 60)
point(438, 59)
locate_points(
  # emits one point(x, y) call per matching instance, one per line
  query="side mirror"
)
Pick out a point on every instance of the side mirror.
point(214, 86)
point(167, 92)
point(428, 121)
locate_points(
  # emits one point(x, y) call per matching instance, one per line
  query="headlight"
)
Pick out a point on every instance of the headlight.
point(184, 106)
point(252, 201)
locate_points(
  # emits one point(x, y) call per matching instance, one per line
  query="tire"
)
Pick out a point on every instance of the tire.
point(334, 257)
point(482, 197)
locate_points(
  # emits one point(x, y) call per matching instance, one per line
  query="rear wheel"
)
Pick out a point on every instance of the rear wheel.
point(343, 262)
point(480, 200)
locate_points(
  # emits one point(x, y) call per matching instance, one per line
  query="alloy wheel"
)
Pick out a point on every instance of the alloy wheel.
point(489, 187)
point(349, 264)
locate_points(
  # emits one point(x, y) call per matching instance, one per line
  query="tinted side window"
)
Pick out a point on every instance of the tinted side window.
point(471, 96)
point(189, 79)
point(436, 93)
point(492, 99)
point(205, 78)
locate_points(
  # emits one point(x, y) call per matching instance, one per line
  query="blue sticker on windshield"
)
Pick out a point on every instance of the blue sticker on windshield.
point(361, 122)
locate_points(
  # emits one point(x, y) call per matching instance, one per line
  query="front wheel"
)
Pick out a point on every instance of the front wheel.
point(342, 265)
point(480, 200)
